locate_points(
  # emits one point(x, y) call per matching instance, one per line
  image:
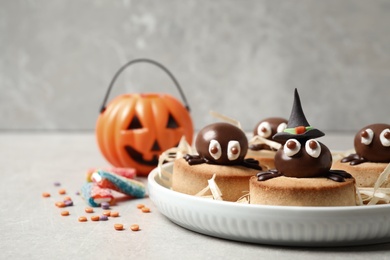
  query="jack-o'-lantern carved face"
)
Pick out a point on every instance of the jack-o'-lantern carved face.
point(136, 128)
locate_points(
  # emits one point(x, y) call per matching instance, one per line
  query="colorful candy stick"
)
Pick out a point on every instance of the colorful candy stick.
point(129, 173)
point(116, 182)
point(95, 195)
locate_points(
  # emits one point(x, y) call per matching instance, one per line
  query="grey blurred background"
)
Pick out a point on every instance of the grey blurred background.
point(239, 58)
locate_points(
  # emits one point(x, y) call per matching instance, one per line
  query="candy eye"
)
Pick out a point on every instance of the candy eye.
point(385, 137)
point(291, 147)
point(264, 130)
point(367, 136)
point(234, 150)
point(215, 149)
point(281, 127)
point(313, 148)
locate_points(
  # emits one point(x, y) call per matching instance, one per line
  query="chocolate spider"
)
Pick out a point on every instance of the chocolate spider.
point(223, 144)
point(304, 159)
point(302, 156)
point(267, 128)
point(372, 144)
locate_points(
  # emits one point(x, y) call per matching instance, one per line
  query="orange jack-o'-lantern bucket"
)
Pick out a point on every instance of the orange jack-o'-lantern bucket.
point(134, 129)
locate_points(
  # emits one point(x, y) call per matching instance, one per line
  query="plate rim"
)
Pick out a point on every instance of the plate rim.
point(316, 216)
point(154, 172)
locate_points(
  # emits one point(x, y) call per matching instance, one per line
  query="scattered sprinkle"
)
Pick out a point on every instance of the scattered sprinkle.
point(83, 219)
point(68, 203)
point(107, 213)
point(145, 210)
point(118, 227)
point(114, 214)
point(60, 204)
point(62, 191)
point(105, 205)
point(134, 227)
point(103, 217)
point(89, 210)
point(45, 194)
point(95, 218)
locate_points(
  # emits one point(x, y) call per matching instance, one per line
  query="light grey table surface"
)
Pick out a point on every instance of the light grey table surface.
point(32, 227)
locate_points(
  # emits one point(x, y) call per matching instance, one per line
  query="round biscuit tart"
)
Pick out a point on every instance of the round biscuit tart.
point(365, 174)
point(233, 181)
point(288, 191)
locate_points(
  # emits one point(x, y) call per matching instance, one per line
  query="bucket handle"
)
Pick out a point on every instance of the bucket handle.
point(103, 107)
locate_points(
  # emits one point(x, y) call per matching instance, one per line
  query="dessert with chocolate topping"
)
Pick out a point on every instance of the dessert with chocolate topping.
point(267, 128)
point(372, 147)
point(265, 148)
point(221, 151)
point(302, 174)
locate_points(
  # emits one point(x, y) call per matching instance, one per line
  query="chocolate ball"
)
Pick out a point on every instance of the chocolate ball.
point(268, 127)
point(303, 165)
point(369, 144)
point(222, 143)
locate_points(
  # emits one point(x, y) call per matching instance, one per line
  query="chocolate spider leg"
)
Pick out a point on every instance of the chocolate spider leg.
point(335, 177)
point(251, 163)
point(338, 175)
point(251, 160)
point(189, 156)
point(350, 157)
point(359, 161)
point(270, 174)
point(194, 159)
point(353, 159)
point(341, 173)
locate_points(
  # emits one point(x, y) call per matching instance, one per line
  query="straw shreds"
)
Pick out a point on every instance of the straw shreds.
point(213, 187)
point(226, 118)
point(170, 155)
point(375, 195)
point(261, 140)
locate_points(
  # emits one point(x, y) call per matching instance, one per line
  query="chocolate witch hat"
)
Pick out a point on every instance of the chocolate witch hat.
point(297, 126)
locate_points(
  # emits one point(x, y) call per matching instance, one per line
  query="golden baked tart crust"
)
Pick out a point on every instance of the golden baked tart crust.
point(365, 174)
point(288, 191)
point(233, 181)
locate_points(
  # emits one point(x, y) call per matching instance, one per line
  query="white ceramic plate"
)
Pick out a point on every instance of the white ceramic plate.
point(275, 225)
